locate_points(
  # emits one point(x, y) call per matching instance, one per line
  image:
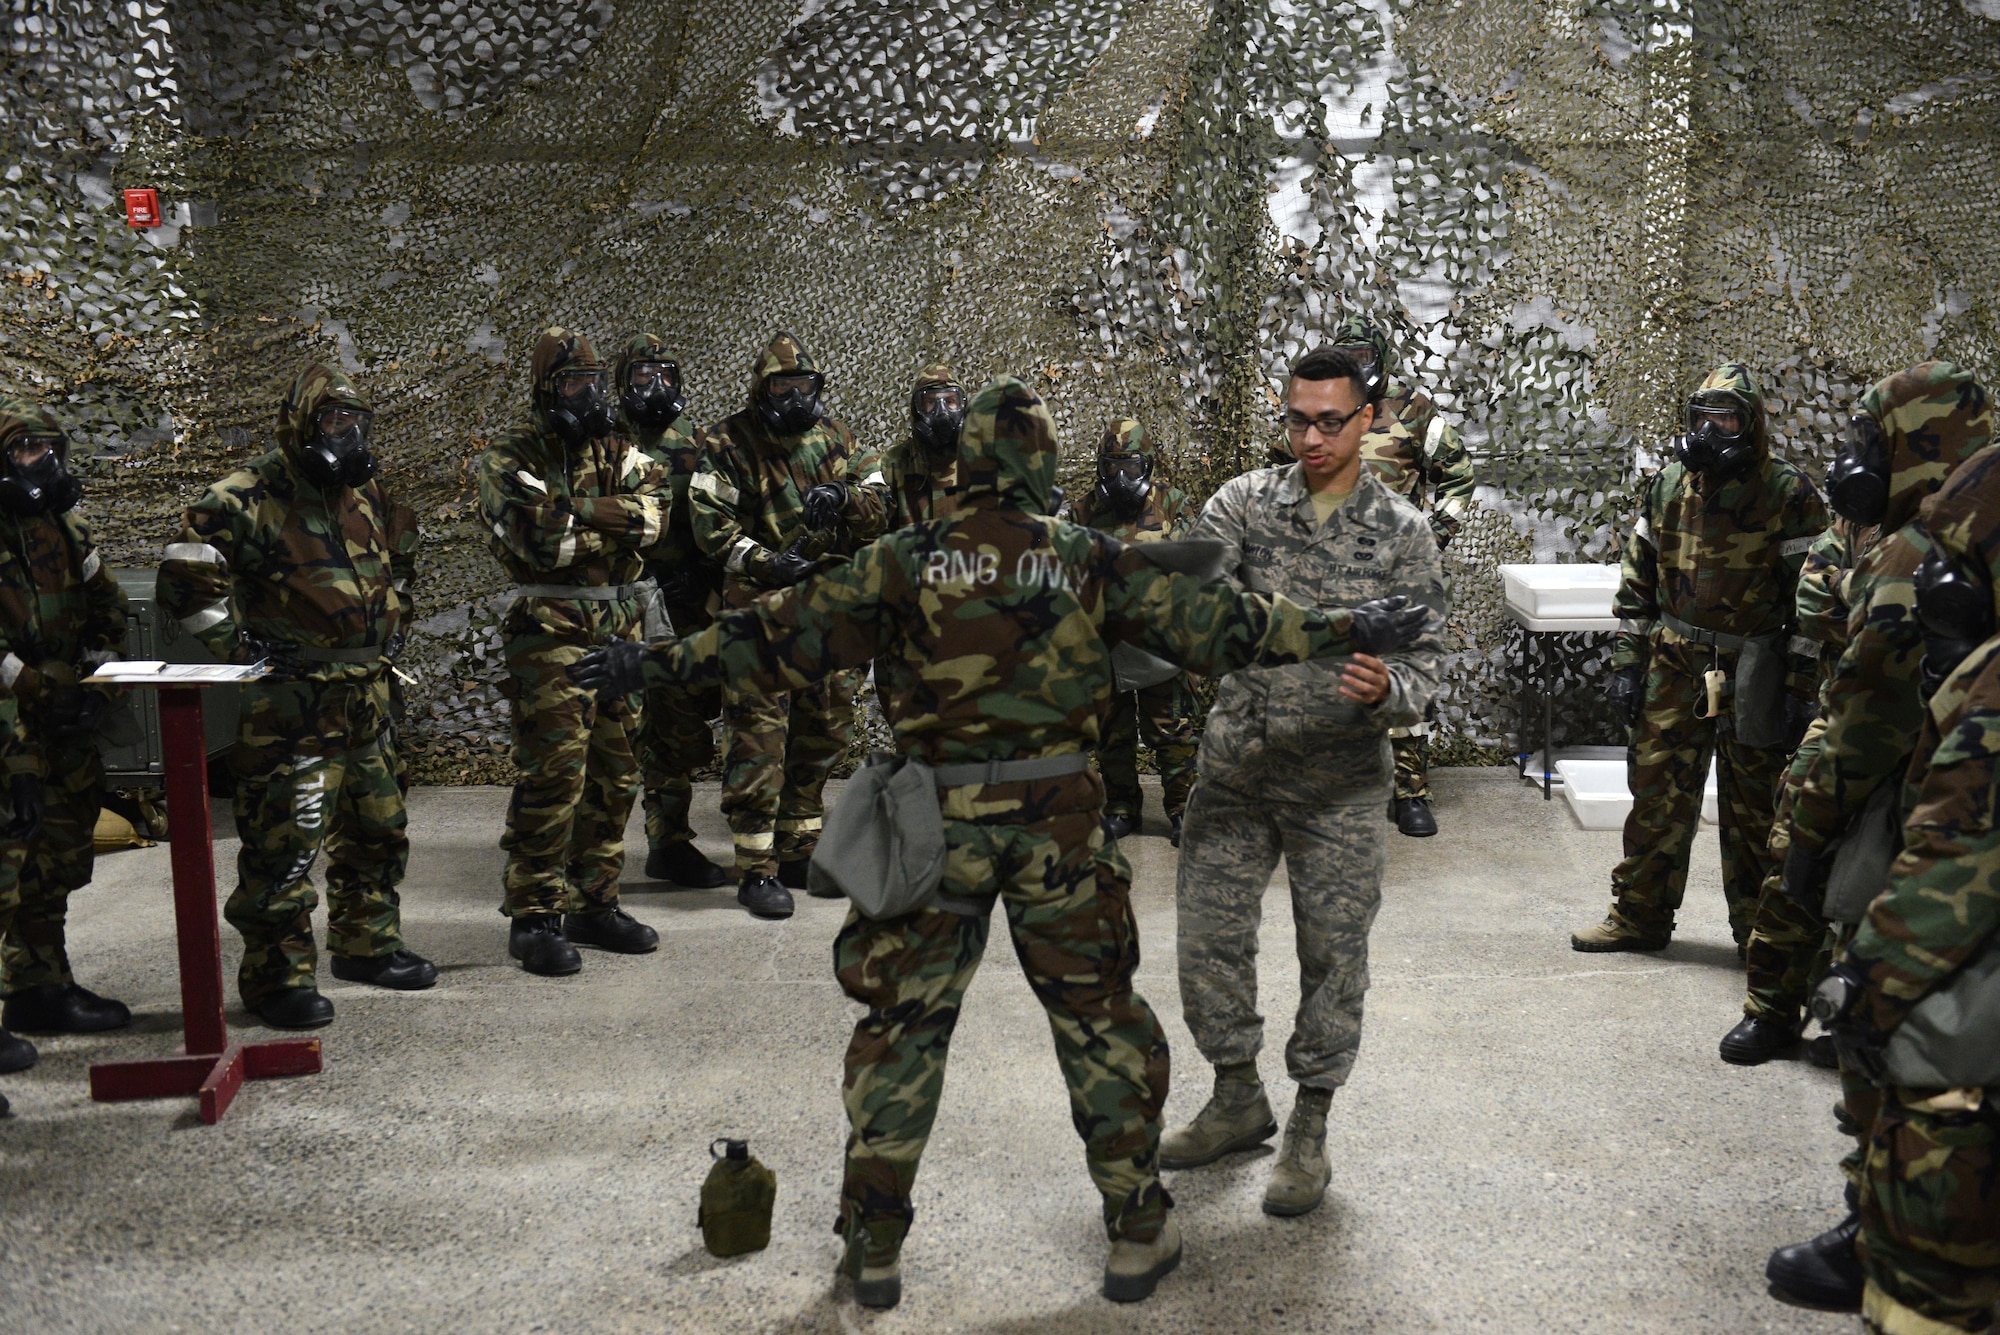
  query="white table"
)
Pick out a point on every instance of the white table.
point(1582, 607)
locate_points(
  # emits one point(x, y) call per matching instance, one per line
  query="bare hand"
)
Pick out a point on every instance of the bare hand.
point(1365, 680)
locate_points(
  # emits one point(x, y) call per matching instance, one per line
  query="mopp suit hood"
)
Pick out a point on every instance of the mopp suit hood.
point(316, 388)
point(1935, 417)
point(1731, 386)
point(1009, 448)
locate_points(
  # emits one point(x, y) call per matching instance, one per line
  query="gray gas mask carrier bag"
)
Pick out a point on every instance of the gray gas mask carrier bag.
point(1861, 863)
point(883, 843)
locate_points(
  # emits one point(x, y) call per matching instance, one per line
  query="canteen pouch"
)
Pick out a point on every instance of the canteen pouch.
point(883, 843)
point(1760, 692)
point(736, 1201)
point(1947, 1039)
point(1861, 862)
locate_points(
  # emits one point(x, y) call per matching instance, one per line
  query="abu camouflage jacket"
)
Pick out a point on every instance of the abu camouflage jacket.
point(991, 629)
point(1374, 546)
point(748, 496)
point(267, 554)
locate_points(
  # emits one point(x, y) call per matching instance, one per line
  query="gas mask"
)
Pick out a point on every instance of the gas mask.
point(1372, 380)
point(789, 404)
point(38, 480)
point(1857, 481)
point(1955, 609)
point(578, 410)
point(652, 396)
point(937, 416)
point(1712, 446)
point(1123, 483)
point(337, 454)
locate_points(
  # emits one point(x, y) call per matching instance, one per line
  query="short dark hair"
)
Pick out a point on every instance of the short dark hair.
point(1331, 363)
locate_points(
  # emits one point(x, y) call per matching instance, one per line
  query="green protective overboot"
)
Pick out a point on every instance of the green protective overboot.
point(1236, 1117)
point(1299, 1178)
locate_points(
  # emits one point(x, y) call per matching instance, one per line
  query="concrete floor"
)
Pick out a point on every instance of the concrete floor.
point(1534, 1140)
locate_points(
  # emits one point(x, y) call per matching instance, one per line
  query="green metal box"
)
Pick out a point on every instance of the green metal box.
point(151, 633)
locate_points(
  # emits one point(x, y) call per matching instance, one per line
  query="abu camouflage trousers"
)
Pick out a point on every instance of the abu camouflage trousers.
point(1666, 770)
point(1066, 896)
point(1788, 946)
point(44, 873)
point(565, 837)
point(675, 741)
point(315, 770)
point(780, 748)
point(1930, 1213)
point(1165, 717)
point(1333, 854)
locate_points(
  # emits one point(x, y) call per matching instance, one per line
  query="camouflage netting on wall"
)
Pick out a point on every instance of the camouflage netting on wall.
point(1566, 211)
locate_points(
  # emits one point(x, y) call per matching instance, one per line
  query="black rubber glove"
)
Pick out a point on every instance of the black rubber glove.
point(72, 717)
point(824, 504)
point(1839, 1004)
point(1626, 693)
point(789, 567)
point(281, 658)
point(612, 669)
point(1803, 880)
point(680, 586)
point(1385, 625)
point(25, 790)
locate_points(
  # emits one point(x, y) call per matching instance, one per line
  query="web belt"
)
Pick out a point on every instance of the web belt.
point(1011, 771)
point(589, 593)
point(1698, 635)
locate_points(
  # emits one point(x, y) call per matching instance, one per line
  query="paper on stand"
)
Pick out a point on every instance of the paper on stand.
point(154, 672)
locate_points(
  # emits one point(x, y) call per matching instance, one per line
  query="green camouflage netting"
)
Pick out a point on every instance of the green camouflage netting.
point(1565, 211)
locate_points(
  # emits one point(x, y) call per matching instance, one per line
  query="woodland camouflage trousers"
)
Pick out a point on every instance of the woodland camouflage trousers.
point(41, 878)
point(1930, 1213)
point(1065, 894)
point(780, 748)
point(1666, 769)
point(315, 770)
point(1788, 945)
point(1165, 716)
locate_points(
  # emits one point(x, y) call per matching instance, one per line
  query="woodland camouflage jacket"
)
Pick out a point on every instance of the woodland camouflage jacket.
point(1721, 554)
point(915, 491)
point(748, 496)
point(1374, 545)
point(1421, 457)
point(991, 629)
point(1936, 419)
point(267, 554)
point(675, 450)
point(1167, 515)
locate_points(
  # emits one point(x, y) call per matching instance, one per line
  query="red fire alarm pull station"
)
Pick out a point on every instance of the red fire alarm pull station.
point(142, 208)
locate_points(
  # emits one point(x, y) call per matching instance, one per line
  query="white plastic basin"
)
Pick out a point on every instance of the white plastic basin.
point(1560, 592)
point(1596, 792)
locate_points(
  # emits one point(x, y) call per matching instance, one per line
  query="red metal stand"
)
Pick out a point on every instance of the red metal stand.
point(211, 1066)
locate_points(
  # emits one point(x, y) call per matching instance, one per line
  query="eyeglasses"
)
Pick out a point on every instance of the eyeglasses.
point(1297, 425)
point(571, 383)
point(944, 398)
point(339, 421)
point(804, 382)
point(644, 374)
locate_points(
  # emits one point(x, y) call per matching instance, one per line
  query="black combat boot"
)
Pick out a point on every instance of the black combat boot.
point(792, 874)
point(614, 930)
point(1820, 1052)
point(1414, 818)
point(1174, 834)
point(401, 970)
point(1118, 824)
point(681, 863)
point(6, 1108)
point(1824, 1274)
point(62, 1008)
point(764, 896)
point(1756, 1039)
point(16, 1053)
point(537, 940)
point(294, 1008)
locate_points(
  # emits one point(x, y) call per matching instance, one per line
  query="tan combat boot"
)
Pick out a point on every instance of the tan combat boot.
point(1134, 1269)
point(1614, 933)
point(1299, 1178)
point(1236, 1117)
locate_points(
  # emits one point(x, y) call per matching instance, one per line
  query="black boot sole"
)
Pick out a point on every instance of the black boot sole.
point(1247, 1141)
point(19, 1055)
point(878, 1294)
point(1138, 1288)
point(1815, 1304)
point(347, 972)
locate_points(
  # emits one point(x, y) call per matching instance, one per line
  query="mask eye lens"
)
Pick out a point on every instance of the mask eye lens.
point(1864, 437)
point(783, 386)
point(32, 450)
point(946, 399)
point(339, 421)
point(645, 375)
point(571, 383)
